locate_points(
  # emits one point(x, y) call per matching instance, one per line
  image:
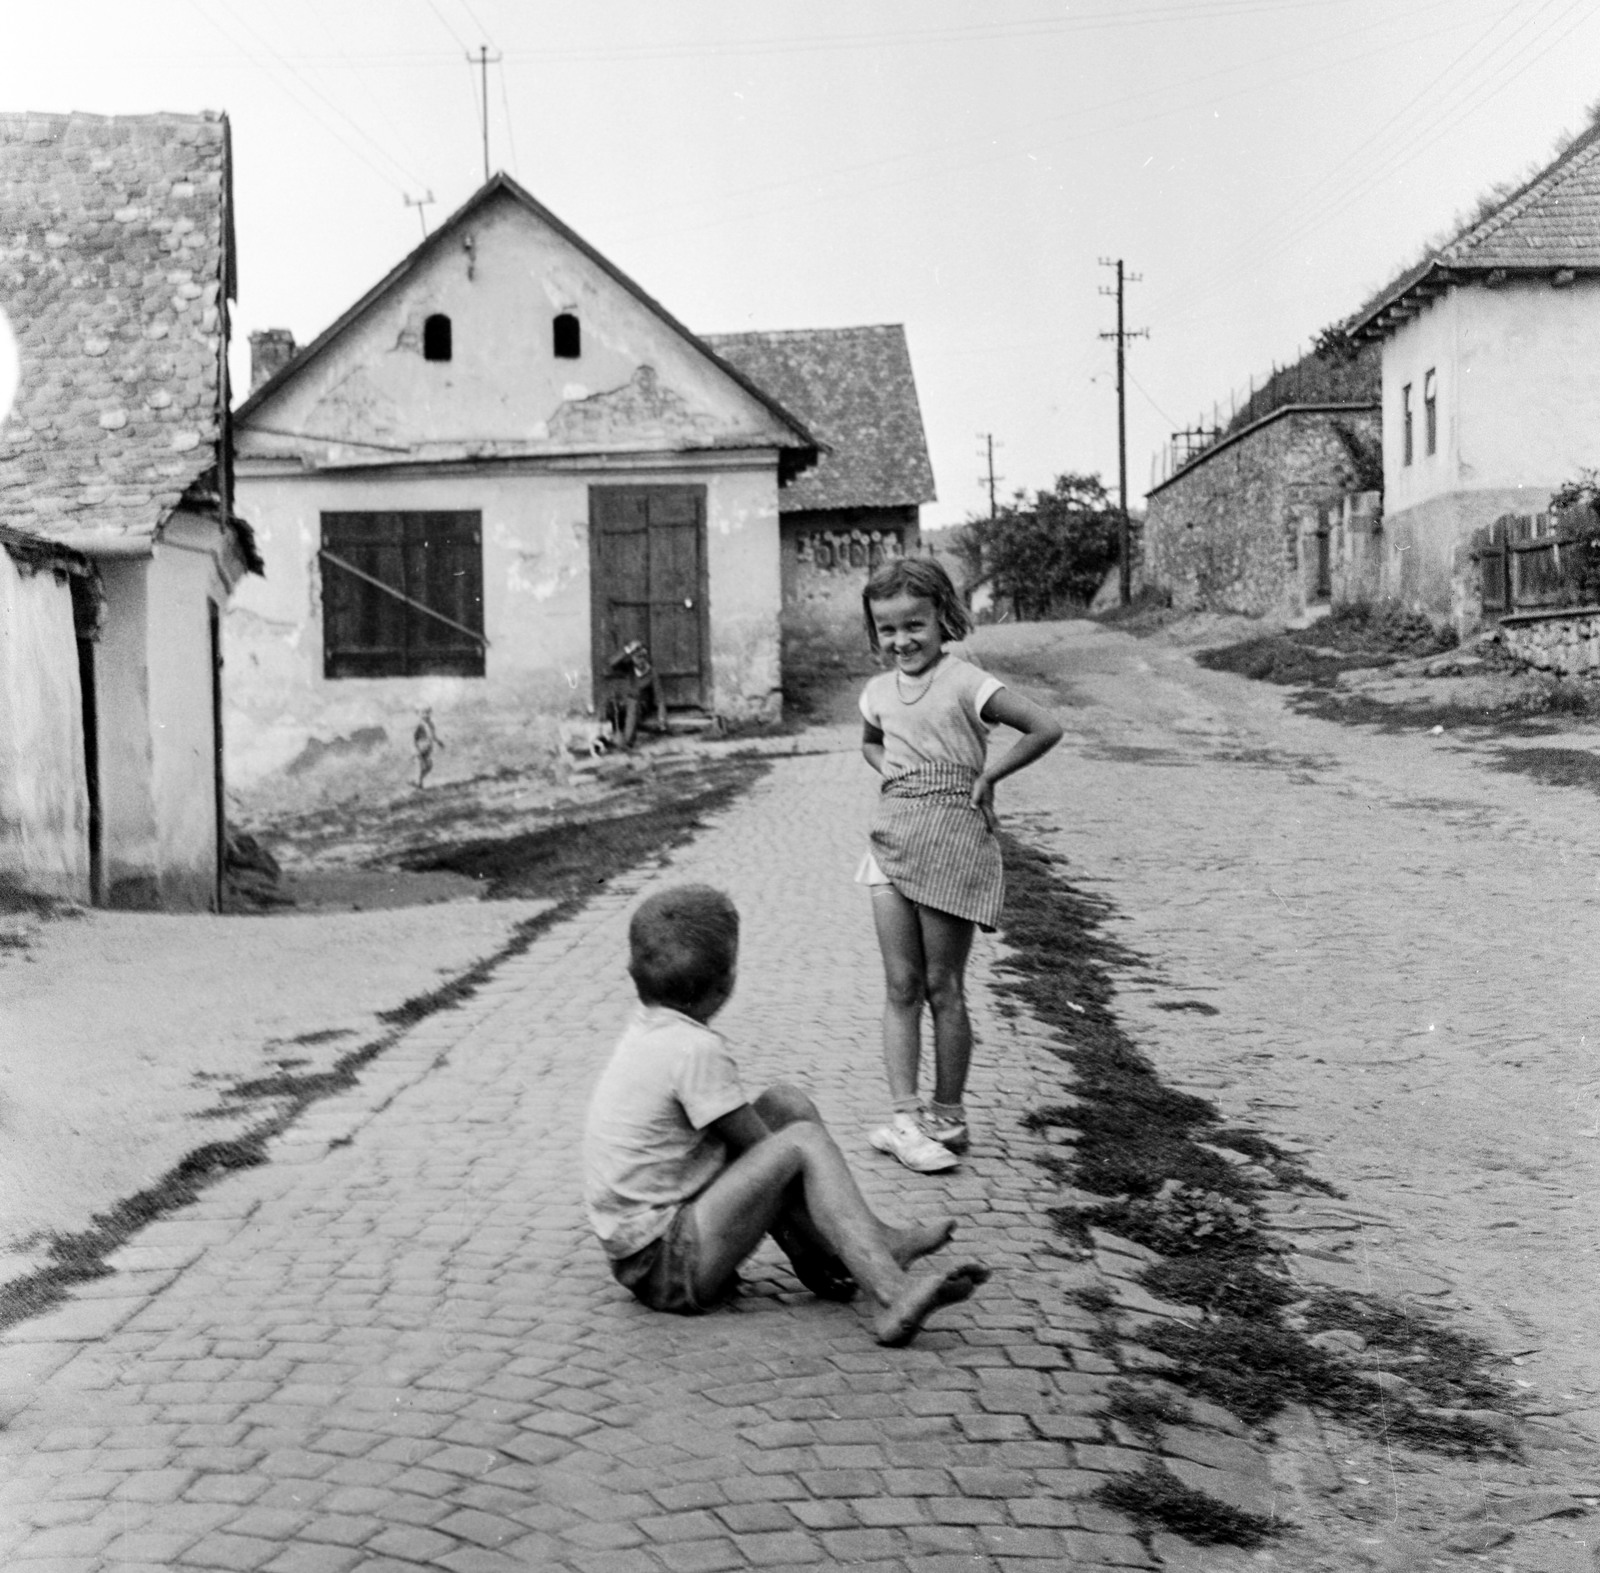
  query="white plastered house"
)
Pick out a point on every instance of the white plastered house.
point(501, 464)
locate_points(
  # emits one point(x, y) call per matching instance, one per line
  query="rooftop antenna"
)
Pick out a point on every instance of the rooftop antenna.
point(419, 203)
point(484, 61)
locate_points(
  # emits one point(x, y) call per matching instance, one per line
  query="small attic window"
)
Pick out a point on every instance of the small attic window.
point(436, 337)
point(566, 337)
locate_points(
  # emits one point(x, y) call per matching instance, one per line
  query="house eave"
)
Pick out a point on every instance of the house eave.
point(1382, 318)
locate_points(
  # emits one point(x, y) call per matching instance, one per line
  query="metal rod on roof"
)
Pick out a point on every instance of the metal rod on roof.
point(484, 62)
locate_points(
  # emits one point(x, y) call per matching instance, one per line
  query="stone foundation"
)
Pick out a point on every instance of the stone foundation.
point(1565, 641)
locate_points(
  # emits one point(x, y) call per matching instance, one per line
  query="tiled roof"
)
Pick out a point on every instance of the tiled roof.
point(854, 388)
point(1549, 225)
point(1552, 222)
point(116, 256)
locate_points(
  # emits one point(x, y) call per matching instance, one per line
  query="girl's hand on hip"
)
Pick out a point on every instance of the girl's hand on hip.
point(983, 801)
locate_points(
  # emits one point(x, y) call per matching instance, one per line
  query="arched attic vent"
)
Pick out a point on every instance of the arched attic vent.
point(566, 336)
point(436, 337)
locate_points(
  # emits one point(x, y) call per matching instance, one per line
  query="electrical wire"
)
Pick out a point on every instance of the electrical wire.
point(1438, 121)
point(511, 135)
point(444, 21)
point(944, 169)
point(288, 87)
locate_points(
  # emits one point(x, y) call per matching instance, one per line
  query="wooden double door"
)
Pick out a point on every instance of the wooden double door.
point(647, 571)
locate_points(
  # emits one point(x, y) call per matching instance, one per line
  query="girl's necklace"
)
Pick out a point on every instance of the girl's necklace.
point(916, 694)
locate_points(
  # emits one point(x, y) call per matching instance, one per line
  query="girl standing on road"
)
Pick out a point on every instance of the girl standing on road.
point(934, 865)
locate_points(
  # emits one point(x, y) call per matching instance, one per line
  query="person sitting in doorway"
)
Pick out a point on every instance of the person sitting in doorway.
point(639, 682)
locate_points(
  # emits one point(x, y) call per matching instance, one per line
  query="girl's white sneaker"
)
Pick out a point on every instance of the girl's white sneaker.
point(907, 1141)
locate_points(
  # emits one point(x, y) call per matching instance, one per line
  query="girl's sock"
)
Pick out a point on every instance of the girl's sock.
point(911, 1106)
point(948, 1113)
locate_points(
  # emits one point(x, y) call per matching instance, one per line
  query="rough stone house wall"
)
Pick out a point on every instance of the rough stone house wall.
point(1237, 528)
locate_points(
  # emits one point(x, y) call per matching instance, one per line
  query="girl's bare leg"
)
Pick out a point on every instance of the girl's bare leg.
point(900, 939)
point(946, 943)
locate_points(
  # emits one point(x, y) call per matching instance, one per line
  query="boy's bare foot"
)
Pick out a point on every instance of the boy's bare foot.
point(900, 1323)
point(913, 1240)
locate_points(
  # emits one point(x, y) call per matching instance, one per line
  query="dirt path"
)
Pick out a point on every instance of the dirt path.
point(1378, 946)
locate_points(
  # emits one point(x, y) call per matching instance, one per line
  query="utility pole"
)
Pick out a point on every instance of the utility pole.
point(988, 438)
point(1122, 336)
point(419, 203)
point(483, 63)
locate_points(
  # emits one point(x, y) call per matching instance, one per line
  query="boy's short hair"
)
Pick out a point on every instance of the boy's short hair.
point(925, 578)
point(682, 943)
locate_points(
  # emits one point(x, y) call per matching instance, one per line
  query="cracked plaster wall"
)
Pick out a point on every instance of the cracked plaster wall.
point(44, 802)
point(536, 612)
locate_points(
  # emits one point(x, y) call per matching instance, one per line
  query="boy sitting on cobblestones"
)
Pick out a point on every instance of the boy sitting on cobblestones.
point(683, 1175)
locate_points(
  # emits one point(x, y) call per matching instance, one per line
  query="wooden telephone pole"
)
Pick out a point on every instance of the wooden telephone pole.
point(1122, 336)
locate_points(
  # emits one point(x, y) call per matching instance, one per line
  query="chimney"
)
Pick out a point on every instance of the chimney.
point(271, 349)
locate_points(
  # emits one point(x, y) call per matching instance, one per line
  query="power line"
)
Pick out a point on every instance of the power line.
point(511, 135)
point(944, 168)
point(1444, 119)
point(293, 92)
point(444, 22)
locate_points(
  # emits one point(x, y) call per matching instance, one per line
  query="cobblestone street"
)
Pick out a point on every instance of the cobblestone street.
point(395, 1346)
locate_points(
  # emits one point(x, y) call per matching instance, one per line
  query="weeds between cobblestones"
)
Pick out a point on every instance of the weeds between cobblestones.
point(1186, 1190)
point(568, 863)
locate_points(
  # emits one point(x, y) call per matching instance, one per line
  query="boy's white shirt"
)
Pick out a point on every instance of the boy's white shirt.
point(646, 1145)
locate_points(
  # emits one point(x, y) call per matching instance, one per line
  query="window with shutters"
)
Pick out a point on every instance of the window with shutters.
point(402, 595)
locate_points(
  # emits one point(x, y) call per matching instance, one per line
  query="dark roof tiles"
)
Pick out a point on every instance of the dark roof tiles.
point(115, 255)
point(854, 388)
point(1551, 222)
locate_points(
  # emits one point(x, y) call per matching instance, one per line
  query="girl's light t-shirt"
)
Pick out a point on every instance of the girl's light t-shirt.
point(942, 724)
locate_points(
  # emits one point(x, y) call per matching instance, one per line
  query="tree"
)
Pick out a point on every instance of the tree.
point(1046, 555)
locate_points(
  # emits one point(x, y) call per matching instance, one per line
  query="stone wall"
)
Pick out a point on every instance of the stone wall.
point(1566, 642)
point(1354, 527)
point(827, 558)
point(1229, 532)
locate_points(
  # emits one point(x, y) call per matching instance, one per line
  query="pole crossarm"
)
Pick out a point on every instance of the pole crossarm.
point(399, 595)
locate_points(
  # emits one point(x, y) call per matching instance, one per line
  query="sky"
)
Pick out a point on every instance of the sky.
point(964, 167)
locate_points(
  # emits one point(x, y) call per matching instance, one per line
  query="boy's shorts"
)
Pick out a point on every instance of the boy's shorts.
point(662, 1274)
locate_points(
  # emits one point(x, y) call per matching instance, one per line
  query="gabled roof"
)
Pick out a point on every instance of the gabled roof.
point(116, 250)
point(793, 458)
point(854, 388)
point(1547, 227)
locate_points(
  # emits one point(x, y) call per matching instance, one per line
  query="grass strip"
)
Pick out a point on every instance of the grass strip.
point(1170, 1175)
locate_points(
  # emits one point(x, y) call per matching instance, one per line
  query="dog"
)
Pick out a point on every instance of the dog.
point(586, 734)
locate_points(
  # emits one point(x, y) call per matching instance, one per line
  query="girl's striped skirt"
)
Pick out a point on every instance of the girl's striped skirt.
point(935, 848)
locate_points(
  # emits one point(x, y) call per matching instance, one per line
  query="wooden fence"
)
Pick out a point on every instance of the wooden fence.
point(1532, 562)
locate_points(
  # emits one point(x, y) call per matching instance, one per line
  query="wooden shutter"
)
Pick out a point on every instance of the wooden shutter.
point(419, 560)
